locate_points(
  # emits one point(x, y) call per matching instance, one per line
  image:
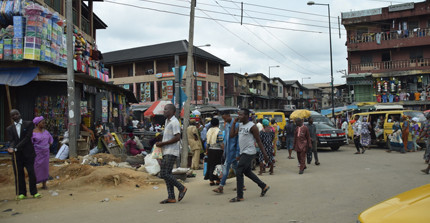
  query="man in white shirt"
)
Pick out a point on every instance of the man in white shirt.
point(357, 132)
point(171, 150)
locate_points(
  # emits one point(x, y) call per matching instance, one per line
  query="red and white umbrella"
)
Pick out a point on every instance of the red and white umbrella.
point(158, 109)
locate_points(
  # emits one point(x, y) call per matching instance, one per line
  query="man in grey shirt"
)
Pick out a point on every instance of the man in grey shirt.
point(248, 135)
point(170, 146)
point(313, 134)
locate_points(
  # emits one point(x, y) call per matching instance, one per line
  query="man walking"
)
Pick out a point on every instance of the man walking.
point(23, 154)
point(313, 134)
point(290, 128)
point(302, 141)
point(357, 133)
point(231, 150)
point(275, 139)
point(195, 144)
point(248, 135)
point(170, 146)
point(425, 133)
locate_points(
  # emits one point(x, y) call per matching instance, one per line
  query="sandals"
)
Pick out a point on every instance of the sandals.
point(264, 191)
point(37, 195)
point(219, 190)
point(212, 184)
point(291, 157)
point(182, 194)
point(236, 199)
point(168, 201)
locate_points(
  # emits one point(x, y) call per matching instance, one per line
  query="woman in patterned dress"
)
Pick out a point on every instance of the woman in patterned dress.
point(267, 135)
point(365, 134)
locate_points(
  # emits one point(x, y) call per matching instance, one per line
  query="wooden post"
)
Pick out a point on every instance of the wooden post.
point(8, 97)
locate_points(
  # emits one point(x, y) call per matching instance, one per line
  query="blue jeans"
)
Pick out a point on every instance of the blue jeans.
point(227, 164)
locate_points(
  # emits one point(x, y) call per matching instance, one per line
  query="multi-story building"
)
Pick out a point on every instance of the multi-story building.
point(147, 71)
point(312, 96)
point(294, 93)
point(389, 54)
point(37, 64)
point(236, 90)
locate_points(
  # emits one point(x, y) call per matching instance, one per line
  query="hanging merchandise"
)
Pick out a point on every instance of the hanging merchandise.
point(379, 86)
point(393, 86)
point(385, 86)
point(104, 110)
point(53, 109)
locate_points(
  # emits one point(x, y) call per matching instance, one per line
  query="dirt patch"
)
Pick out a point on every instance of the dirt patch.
point(107, 157)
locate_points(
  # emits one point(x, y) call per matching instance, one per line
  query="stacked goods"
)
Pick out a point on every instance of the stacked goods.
point(35, 33)
point(18, 37)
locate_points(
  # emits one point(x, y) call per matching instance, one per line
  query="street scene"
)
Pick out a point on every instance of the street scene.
point(239, 111)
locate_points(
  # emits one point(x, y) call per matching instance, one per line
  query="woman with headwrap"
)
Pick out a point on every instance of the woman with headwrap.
point(41, 140)
point(266, 135)
point(131, 145)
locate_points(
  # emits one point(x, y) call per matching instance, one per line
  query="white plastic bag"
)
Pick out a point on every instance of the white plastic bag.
point(63, 153)
point(151, 165)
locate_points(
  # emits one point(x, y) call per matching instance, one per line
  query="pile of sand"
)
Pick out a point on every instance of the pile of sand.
point(71, 174)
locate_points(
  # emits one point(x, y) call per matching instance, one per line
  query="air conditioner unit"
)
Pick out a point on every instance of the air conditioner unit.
point(150, 71)
point(206, 101)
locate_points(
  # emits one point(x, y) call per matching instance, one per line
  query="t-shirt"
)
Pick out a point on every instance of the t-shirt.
point(172, 128)
point(246, 139)
point(417, 96)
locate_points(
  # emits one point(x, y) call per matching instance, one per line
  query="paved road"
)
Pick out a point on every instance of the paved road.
point(336, 191)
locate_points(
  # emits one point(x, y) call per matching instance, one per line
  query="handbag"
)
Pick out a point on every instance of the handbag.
point(157, 153)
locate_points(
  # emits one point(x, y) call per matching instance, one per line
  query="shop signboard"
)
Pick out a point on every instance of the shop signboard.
point(167, 90)
point(401, 7)
point(163, 75)
point(145, 91)
point(199, 90)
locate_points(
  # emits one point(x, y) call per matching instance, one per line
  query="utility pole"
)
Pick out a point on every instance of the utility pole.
point(190, 71)
point(177, 88)
point(71, 81)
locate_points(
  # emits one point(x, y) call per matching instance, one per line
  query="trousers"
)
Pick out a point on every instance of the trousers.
point(301, 157)
point(166, 173)
point(195, 161)
point(244, 168)
point(21, 163)
point(313, 150)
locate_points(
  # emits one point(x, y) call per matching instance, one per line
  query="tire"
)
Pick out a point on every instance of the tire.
point(334, 148)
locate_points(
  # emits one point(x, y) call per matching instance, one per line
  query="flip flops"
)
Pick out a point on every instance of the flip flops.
point(264, 191)
point(236, 199)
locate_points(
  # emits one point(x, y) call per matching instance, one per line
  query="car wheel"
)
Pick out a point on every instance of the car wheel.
point(334, 148)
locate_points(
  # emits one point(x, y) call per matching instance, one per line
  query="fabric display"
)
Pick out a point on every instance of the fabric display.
point(54, 110)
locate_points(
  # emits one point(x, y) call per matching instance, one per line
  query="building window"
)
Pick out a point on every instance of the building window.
point(236, 82)
point(130, 71)
point(366, 59)
point(221, 91)
point(416, 55)
point(264, 86)
point(413, 25)
point(55, 4)
point(280, 90)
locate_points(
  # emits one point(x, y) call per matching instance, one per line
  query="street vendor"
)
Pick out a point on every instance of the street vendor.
point(131, 146)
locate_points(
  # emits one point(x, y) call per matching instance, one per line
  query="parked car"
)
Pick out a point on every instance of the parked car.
point(409, 206)
point(329, 136)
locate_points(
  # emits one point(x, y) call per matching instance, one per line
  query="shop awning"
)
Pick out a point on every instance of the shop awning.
point(157, 108)
point(18, 76)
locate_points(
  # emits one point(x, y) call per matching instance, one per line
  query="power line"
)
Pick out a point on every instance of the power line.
point(235, 15)
point(220, 20)
point(261, 12)
point(286, 45)
point(280, 9)
point(267, 43)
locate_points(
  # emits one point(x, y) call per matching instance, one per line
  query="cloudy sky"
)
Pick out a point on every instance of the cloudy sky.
point(288, 33)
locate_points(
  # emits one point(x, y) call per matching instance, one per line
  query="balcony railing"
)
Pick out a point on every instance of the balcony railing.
point(391, 35)
point(391, 65)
